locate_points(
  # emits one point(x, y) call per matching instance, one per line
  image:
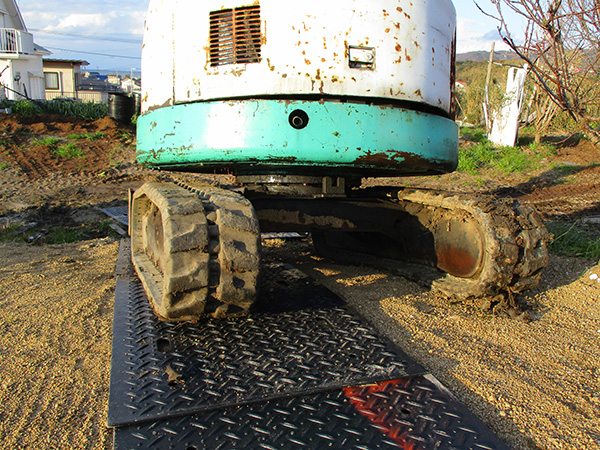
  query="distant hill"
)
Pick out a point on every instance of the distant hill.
point(501, 55)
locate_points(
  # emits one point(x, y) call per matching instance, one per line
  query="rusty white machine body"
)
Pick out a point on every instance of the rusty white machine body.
point(301, 101)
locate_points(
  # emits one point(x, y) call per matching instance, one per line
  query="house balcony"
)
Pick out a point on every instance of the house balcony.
point(14, 43)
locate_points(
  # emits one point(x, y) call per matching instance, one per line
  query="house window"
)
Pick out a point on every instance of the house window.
point(52, 80)
point(235, 36)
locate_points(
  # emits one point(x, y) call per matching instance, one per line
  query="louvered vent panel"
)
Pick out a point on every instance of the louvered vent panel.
point(235, 36)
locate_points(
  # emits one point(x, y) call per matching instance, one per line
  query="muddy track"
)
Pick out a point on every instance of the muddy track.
point(196, 249)
point(33, 168)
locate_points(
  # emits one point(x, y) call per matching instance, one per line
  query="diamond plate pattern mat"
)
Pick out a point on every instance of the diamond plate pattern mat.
point(119, 213)
point(411, 413)
point(300, 339)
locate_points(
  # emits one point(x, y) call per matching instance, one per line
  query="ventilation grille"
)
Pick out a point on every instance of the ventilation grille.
point(235, 36)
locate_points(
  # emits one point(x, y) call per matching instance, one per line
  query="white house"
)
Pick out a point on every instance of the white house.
point(21, 68)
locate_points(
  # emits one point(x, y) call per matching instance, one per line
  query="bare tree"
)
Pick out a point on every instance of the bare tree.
point(562, 48)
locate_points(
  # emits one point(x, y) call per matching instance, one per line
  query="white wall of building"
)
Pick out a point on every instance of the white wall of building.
point(21, 67)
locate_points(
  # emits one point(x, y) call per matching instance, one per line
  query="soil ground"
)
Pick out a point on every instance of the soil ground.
point(535, 383)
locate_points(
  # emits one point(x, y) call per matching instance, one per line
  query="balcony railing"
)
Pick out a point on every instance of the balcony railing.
point(15, 42)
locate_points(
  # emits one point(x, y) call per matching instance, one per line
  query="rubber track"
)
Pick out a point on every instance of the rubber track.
point(515, 240)
point(234, 250)
point(205, 258)
point(514, 237)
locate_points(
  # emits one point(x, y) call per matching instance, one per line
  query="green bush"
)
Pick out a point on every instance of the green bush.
point(25, 108)
point(87, 110)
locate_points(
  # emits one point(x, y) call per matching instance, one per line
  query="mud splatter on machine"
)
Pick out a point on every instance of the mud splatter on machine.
point(301, 100)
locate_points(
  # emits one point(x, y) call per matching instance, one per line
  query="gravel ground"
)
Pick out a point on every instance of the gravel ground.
point(535, 384)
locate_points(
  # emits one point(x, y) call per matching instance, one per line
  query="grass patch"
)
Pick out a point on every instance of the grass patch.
point(577, 239)
point(68, 151)
point(484, 156)
point(3, 166)
point(18, 232)
point(473, 134)
point(47, 142)
point(87, 136)
point(125, 135)
point(8, 230)
point(93, 230)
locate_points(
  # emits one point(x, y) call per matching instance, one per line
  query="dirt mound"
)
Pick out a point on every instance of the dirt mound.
point(44, 144)
point(106, 124)
point(51, 159)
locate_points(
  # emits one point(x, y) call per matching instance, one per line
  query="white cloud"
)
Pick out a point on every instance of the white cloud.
point(472, 35)
point(82, 21)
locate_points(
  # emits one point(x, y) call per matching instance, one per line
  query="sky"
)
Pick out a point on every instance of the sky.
point(108, 33)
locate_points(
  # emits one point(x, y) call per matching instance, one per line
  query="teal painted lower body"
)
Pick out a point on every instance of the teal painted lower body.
point(297, 137)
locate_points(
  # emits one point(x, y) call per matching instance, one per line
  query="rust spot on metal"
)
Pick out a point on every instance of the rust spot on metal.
point(307, 62)
point(457, 261)
point(387, 30)
point(334, 79)
point(418, 93)
point(406, 55)
point(398, 48)
point(322, 59)
point(391, 158)
point(397, 25)
point(164, 105)
point(400, 10)
point(433, 49)
point(318, 76)
point(385, 13)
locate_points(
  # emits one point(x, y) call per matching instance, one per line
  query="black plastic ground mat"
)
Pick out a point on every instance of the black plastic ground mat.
point(300, 339)
point(301, 371)
point(119, 213)
point(411, 413)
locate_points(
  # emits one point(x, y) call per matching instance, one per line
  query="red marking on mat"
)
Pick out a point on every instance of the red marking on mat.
point(381, 410)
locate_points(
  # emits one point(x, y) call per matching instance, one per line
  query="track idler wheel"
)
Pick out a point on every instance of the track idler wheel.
point(196, 250)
